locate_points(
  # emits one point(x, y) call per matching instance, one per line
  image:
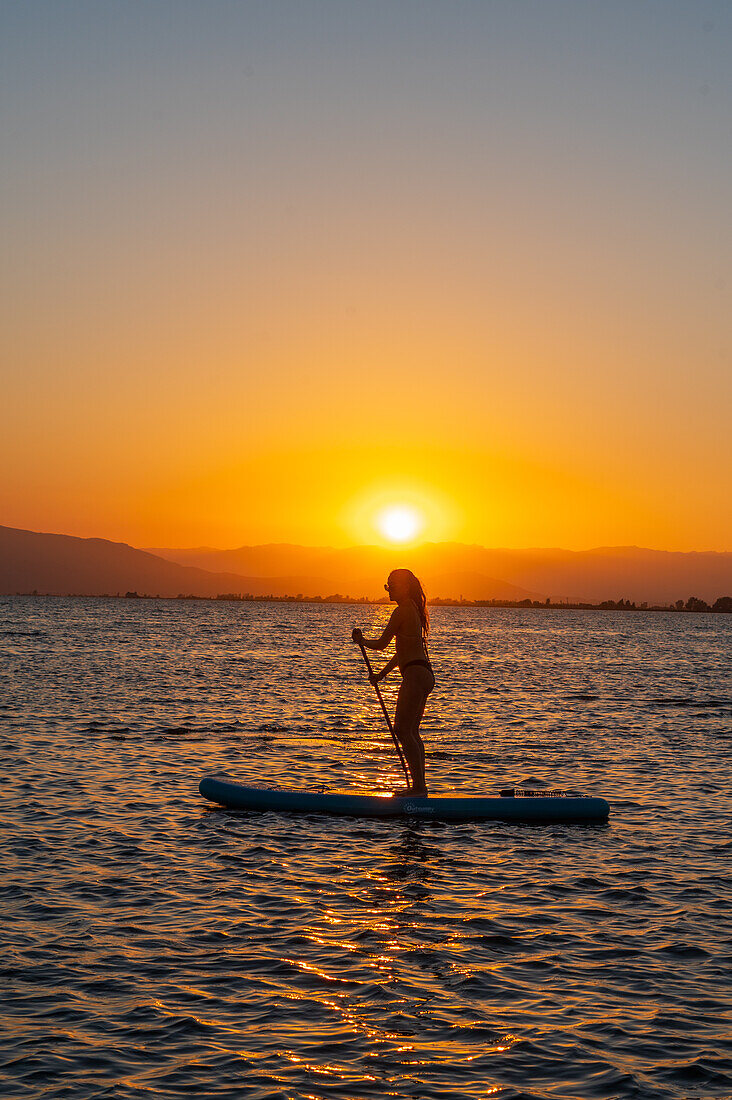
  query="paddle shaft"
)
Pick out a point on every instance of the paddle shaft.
point(397, 746)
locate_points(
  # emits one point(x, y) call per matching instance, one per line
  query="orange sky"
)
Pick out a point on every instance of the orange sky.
point(264, 280)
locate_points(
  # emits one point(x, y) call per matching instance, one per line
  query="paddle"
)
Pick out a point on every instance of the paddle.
point(397, 746)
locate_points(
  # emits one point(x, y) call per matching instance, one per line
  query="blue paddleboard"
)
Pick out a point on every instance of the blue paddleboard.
point(563, 809)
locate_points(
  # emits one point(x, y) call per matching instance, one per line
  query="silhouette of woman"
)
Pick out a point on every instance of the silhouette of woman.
point(409, 625)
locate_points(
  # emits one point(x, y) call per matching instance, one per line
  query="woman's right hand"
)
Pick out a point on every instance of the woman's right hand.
point(356, 635)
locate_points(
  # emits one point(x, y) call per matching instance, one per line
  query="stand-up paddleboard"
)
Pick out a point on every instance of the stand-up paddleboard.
point(514, 806)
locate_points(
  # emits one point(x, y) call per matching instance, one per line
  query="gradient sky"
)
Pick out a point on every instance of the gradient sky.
point(267, 267)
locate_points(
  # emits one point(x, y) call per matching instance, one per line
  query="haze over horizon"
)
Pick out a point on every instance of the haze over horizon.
point(38, 563)
point(398, 549)
point(272, 271)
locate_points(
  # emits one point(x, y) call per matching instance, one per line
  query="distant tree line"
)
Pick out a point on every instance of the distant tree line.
point(722, 605)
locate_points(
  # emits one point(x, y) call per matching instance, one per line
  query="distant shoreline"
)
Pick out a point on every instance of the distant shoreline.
point(722, 606)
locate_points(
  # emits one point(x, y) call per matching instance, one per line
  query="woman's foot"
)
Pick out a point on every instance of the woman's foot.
point(410, 792)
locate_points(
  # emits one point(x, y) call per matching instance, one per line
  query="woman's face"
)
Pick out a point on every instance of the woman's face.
point(396, 587)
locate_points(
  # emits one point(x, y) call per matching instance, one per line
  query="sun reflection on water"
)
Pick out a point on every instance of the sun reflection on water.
point(388, 918)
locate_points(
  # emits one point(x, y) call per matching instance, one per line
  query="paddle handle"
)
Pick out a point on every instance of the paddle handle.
point(397, 746)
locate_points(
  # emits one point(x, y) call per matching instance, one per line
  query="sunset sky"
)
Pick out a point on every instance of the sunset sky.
point(270, 269)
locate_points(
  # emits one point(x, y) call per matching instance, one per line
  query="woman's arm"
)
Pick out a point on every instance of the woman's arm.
point(389, 631)
point(388, 667)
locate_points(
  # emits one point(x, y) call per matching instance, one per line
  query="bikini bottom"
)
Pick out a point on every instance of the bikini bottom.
point(425, 664)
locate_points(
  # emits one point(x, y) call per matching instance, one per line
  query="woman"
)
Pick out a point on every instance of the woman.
point(409, 624)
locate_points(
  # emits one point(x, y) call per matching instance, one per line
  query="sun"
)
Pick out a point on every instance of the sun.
point(400, 514)
point(399, 523)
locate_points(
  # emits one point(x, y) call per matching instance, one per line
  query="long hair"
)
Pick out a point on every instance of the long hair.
point(416, 593)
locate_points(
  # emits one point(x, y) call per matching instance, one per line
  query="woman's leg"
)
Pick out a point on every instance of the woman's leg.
point(410, 706)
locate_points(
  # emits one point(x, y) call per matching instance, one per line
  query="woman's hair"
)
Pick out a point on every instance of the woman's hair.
point(416, 593)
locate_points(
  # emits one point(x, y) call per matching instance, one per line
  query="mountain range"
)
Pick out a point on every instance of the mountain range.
point(67, 565)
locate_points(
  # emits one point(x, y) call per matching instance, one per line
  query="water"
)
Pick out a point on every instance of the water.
point(153, 946)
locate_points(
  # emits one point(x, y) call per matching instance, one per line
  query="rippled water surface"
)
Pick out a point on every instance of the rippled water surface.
point(155, 946)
